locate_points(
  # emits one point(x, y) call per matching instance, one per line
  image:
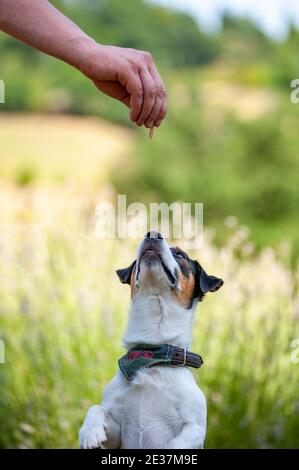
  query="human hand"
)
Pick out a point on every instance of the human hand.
point(127, 75)
point(130, 76)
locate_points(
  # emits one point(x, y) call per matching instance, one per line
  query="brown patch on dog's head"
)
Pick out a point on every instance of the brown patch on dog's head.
point(184, 294)
point(194, 282)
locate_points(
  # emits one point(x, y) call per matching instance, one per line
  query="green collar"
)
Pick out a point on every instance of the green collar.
point(143, 356)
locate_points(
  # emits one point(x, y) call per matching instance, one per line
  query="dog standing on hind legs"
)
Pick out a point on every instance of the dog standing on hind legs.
point(153, 402)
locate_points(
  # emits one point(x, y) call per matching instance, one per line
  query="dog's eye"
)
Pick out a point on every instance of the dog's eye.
point(179, 255)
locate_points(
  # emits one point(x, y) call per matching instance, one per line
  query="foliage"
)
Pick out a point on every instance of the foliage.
point(239, 157)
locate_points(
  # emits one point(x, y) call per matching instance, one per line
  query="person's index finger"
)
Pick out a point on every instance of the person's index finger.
point(160, 109)
point(149, 95)
point(136, 103)
point(135, 89)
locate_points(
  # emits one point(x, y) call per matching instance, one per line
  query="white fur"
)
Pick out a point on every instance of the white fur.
point(162, 408)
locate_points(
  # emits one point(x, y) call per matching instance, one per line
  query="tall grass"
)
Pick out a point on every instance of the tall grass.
point(62, 313)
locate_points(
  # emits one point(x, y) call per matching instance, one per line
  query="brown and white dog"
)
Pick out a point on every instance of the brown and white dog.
point(160, 407)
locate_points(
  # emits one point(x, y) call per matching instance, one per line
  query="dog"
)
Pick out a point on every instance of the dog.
point(153, 402)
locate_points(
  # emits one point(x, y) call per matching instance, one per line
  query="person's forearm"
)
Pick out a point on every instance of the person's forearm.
point(40, 25)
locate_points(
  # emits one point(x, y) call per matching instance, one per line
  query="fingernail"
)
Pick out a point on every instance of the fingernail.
point(158, 123)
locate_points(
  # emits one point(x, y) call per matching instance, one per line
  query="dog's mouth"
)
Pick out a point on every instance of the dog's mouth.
point(154, 256)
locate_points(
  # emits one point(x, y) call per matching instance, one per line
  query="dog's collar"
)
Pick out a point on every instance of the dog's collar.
point(147, 355)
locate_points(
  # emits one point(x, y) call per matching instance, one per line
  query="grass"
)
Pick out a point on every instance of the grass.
point(63, 311)
point(59, 150)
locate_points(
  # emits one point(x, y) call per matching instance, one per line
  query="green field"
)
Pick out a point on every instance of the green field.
point(63, 310)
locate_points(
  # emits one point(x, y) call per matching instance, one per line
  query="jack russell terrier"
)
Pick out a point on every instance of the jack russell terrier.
point(153, 402)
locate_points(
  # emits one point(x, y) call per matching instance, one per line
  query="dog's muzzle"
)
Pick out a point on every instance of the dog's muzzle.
point(153, 250)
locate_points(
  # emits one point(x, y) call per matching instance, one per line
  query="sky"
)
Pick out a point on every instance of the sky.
point(272, 15)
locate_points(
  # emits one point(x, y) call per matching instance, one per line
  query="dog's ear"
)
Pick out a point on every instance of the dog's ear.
point(125, 273)
point(205, 283)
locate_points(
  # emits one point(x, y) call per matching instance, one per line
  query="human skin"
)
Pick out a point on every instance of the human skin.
point(127, 75)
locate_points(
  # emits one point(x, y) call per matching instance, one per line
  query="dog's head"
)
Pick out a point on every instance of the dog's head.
point(161, 269)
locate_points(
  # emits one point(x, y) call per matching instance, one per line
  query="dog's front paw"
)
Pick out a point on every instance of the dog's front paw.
point(92, 436)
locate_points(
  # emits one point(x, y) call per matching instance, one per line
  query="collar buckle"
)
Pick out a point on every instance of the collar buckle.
point(185, 357)
point(182, 357)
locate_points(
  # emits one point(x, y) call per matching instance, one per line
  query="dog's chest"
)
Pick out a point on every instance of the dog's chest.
point(151, 416)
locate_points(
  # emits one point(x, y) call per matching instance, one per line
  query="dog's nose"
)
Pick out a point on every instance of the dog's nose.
point(153, 234)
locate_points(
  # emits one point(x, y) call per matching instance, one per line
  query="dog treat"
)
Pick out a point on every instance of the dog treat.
point(151, 132)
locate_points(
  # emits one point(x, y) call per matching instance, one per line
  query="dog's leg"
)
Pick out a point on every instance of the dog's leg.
point(93, 432)
point(193, 412)
point(192, 436)
point(99, 430)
